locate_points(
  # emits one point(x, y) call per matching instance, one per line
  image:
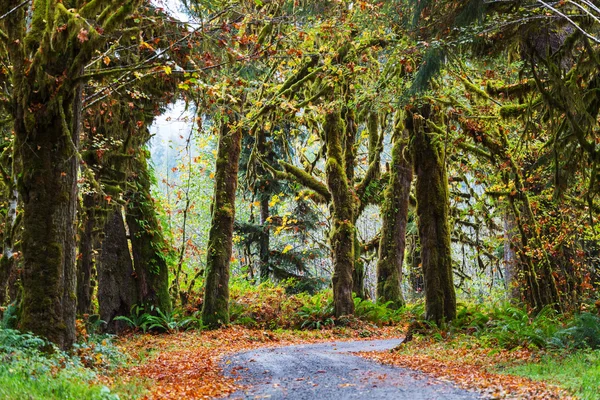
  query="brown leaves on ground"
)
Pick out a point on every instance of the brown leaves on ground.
point(186, 365)
point(470, 366)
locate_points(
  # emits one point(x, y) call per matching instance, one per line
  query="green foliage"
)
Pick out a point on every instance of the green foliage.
point(137, 319)
point(316, 313)
point(28, 371)
point(510, 326)
point(376, 313)
point(9, 317)
point(577, 372)
point(157, 320)
point(581, 333)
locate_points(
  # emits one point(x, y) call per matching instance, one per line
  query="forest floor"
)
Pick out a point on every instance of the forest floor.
point(204, 364)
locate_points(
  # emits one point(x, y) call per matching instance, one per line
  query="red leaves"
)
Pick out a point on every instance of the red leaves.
point(187, 365)
point(82, 36)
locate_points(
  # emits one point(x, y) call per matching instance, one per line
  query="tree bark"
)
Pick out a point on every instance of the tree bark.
point(510, 256)
point(433, 213)
point(45, 143)
point(394, 219)
point(263, 244)
point(85, 259)
point(147, 242)
point(7, 261)
point(343, 231)
point(215, 309)
point(117, 285)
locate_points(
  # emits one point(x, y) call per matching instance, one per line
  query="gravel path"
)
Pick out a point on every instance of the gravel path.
point(329, 371)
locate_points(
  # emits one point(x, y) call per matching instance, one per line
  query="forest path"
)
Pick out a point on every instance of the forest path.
point(329, 371)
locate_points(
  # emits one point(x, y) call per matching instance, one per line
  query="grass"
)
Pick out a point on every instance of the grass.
point(21, 382)
point(577, 372)
point(28, 372)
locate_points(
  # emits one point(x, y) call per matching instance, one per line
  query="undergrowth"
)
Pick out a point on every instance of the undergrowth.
point(32, 368)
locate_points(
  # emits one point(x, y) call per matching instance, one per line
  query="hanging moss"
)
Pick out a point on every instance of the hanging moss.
point(433, 213)
point(215, 309)
point(148, 245)
point(343, 231)
point(394, 212)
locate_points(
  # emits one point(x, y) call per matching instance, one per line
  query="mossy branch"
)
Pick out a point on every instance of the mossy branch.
point(307, 180)
point(515, 90)
point(294, 174)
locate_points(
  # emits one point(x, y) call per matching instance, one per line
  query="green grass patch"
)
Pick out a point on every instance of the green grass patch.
point(28, 372)
point(577, 372)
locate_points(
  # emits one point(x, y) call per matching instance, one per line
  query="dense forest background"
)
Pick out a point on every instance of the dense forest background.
point(156, 163)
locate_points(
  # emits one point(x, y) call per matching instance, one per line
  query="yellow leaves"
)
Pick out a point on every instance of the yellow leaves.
point(275, 199)
point(146, 46)
point(286, 223)
point(287, 248)
point(167, 70)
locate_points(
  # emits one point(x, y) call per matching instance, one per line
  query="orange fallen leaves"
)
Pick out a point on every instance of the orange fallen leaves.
point(469, 368)
point(186, 365)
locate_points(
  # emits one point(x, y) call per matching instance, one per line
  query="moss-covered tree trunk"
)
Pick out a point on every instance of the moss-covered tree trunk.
point(215, 310)
point(349, 156)
point(48, 188)
point(7, 261)
point(394, 212)
point(510, 256)
point(148, 245)
point(49, 44)
point(85, 258)
point(117, 284)
point(433, 213)
point(342, 231)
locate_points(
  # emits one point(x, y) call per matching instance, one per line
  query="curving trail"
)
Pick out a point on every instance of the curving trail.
point(329, 371)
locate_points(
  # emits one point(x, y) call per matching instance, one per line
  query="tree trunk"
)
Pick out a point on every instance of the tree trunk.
point(433, 213)
point(117, 285)
point(394, 219)
point(510, 256)
point(147, 242)
point(342, 232)
point(215, 310)
point(46, 141)
point(7, 261)
point(413, 261)
point(264, 240)
point(85, 259)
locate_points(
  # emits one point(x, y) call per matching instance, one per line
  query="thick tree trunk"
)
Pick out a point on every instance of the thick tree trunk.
point(147, 242)
point(434, 229)
point(8, 252)
point(117, 285)
point(215, 310)
point(45, 144)
point(413, 261)
point(394, 219)
point(85, 259)
point(343, 231)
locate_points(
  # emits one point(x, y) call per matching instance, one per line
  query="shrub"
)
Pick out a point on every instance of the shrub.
point(28, 372)
point(582, 332)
